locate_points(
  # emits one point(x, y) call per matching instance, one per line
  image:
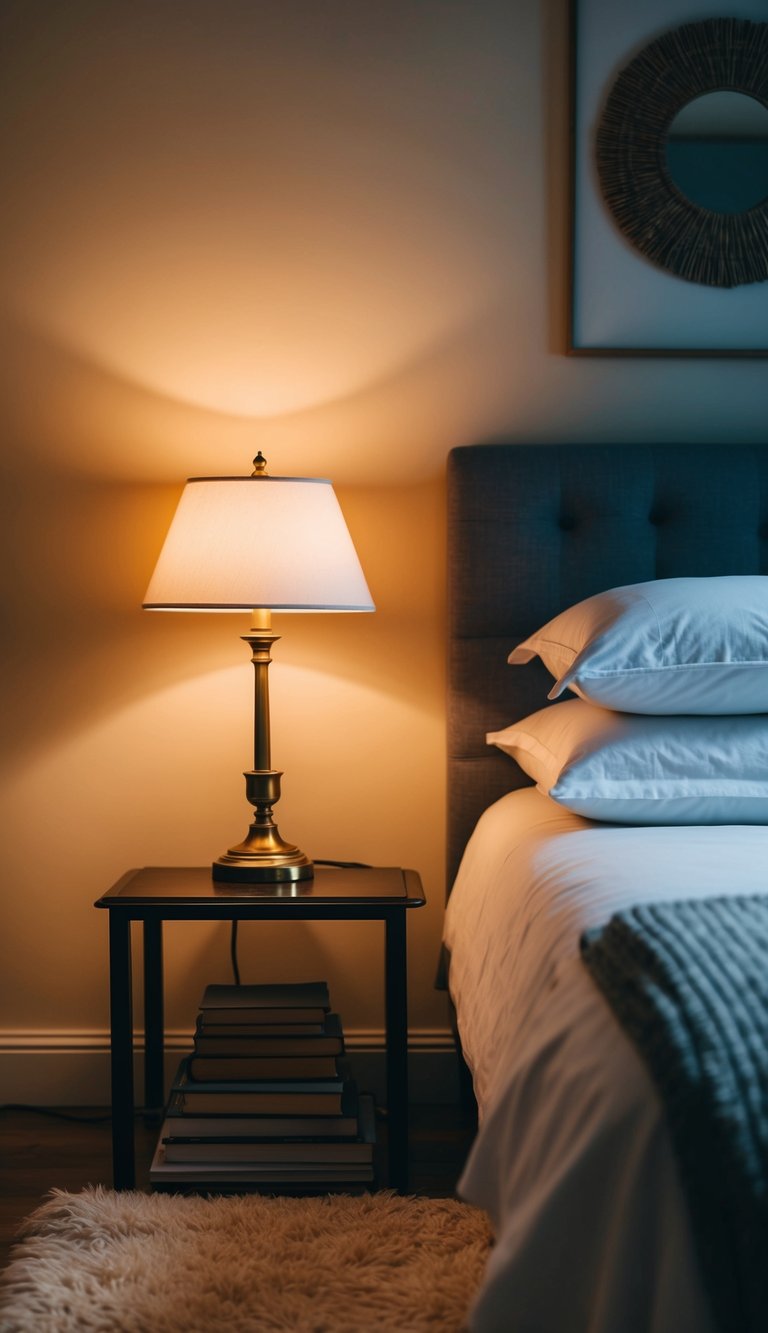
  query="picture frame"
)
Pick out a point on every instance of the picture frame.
point(622, 301)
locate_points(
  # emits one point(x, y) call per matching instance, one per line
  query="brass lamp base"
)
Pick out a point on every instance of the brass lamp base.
point(230, 869)
point(263, 857)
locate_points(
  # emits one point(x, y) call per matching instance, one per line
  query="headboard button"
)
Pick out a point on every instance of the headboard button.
point(566, 522)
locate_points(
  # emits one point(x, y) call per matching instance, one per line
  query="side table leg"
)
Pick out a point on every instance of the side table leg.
point(154, 1080)
point(397, 1049)
point(121, 1020)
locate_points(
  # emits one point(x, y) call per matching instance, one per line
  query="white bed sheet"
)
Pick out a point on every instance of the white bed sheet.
point(572, 1159)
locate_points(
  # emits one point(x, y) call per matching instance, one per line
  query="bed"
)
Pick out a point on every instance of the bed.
point(573, 1159)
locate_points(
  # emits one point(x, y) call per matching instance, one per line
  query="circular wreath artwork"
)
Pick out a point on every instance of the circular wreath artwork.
point(716, 249)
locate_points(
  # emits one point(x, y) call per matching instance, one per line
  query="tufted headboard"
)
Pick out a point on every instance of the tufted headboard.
point(533, 529)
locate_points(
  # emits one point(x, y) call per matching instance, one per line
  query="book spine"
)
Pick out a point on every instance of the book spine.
point(207, 1044)
point(252, 1069)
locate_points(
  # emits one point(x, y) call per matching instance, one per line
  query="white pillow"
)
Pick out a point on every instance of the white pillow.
point(644, 770)
point(671, 646)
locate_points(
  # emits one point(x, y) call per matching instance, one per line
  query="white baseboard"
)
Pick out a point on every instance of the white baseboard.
point(72, 1068)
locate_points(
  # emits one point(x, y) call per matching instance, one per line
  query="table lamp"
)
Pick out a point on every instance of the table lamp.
point(259, 544)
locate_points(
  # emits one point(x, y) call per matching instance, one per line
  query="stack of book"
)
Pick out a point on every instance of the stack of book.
point(265, 1099)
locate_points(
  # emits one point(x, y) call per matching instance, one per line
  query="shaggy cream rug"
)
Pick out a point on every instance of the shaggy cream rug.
point(101, 1262)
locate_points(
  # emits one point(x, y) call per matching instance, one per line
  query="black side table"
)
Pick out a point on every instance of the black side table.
point(173, 893)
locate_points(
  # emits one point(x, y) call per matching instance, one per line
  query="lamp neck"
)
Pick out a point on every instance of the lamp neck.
point(260, 638)
point(260, 619)
point(263, 857)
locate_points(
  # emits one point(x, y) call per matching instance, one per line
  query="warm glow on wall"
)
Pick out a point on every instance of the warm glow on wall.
point(307, 311)
point(222, 244)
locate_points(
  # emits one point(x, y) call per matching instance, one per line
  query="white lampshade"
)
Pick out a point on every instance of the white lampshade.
point(277, 543)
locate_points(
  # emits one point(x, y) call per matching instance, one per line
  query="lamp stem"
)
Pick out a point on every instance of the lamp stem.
point(261, 639)
point(263, 856)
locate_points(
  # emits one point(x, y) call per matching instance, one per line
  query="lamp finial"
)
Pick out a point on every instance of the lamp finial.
point(259, 465)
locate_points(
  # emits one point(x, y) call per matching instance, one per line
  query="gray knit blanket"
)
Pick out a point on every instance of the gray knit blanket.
point(688, 981)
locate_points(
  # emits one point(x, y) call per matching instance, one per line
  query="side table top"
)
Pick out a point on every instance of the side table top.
point(195, 886)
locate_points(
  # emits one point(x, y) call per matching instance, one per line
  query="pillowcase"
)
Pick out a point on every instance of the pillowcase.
point(644, 770)
point(670, 646)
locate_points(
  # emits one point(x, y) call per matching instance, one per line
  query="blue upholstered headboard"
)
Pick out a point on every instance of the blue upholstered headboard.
point(533, 529)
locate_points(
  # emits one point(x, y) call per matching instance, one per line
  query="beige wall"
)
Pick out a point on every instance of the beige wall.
point(332, 231)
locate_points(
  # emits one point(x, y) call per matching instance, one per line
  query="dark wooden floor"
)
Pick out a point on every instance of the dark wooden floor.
point(38, 1153)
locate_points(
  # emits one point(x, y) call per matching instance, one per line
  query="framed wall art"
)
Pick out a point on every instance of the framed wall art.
point(669, 178)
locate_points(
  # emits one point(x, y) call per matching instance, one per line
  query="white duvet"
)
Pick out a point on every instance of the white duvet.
point(572, 1160)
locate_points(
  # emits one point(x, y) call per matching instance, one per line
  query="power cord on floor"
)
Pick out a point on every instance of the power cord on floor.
point(69, 1115)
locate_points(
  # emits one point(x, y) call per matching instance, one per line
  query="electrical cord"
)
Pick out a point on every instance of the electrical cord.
point(233, 953)
point(346, 865)
point(68, 1115)
point(336, 865)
